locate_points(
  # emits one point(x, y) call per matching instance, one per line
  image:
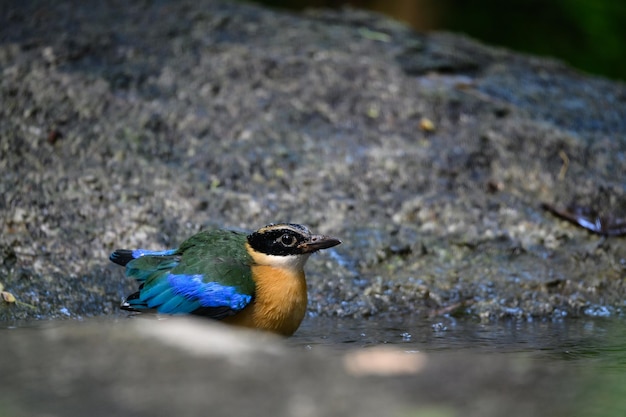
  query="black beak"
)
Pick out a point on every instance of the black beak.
point(317, 242)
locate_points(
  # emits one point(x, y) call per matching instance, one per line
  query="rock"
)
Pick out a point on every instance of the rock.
point(183, 367)
point(117, 131)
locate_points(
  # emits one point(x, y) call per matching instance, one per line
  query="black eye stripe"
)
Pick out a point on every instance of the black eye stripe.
point(279, 241)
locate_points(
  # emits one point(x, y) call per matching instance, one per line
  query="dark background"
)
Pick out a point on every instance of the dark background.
point(587, 34)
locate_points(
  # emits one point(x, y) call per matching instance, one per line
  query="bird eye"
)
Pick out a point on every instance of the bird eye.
point(288, 240)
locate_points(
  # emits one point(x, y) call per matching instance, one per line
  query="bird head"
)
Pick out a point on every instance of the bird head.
point(287, 244)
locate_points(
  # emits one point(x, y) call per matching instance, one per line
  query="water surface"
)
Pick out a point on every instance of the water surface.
point(567, 339)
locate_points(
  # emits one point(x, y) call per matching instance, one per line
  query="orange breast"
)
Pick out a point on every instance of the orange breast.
point(280, 301)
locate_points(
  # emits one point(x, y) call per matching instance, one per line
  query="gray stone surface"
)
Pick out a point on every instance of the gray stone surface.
point(135, 124)
point(184, 367)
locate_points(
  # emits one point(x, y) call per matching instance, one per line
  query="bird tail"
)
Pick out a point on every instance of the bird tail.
point(122, 256)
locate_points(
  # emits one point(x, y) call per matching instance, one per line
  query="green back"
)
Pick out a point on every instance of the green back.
point(220, 256)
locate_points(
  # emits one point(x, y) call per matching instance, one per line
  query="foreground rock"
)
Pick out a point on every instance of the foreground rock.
point(429, 155)
point(184, 367)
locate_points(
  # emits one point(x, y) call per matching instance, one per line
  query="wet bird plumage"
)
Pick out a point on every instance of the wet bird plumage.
point(254, 280)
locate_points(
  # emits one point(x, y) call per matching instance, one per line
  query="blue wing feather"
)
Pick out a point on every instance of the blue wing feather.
point(208, 294)
point(138, 253)
point(177, 304)
point(156, 294)
point(124, 256)
point(200, 277)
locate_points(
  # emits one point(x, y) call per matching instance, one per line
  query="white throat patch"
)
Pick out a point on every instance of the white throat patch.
point(292, 262)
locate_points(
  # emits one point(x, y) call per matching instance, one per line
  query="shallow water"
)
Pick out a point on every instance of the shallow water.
point(567, 339)
point(594, 350)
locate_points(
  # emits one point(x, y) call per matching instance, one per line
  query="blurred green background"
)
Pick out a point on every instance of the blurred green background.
point(587, 34)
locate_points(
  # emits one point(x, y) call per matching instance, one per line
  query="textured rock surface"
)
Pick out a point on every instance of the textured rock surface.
point(133, 125)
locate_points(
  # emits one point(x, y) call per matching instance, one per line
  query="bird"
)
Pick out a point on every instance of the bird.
point(254, 280)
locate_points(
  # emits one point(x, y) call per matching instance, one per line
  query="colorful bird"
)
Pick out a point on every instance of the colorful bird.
point(254, 280)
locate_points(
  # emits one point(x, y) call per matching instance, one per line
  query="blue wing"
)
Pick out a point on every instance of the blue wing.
point(190, 280)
